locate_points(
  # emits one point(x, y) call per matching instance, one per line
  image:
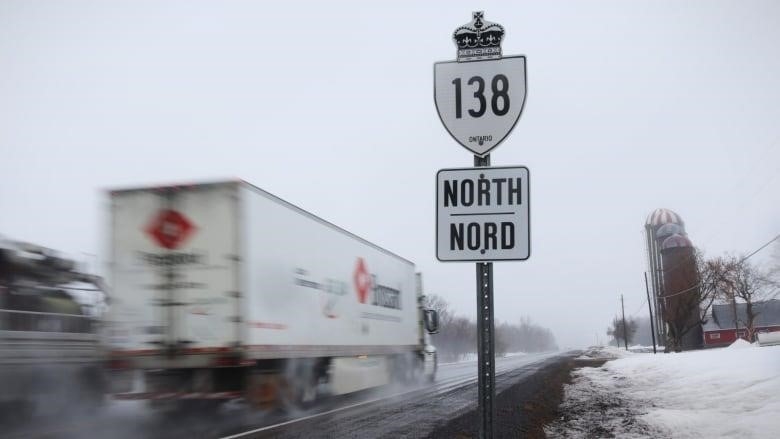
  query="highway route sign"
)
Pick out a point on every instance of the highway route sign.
point(479, 102)
point(483, 214)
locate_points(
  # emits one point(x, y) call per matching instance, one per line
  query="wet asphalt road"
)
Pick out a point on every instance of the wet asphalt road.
point(388, 412)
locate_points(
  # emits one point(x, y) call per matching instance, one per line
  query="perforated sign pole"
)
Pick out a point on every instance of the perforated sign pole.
point(486, 346)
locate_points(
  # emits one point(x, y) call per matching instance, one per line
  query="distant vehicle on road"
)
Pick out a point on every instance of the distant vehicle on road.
point(50, 354)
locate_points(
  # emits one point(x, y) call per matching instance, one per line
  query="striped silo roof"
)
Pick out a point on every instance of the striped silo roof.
point(660, 217)
point(676, 241)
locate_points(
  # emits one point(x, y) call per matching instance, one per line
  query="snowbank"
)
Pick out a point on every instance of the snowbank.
point(604, 353)
point(644, 349)
point(740, 344)
point(724, 393)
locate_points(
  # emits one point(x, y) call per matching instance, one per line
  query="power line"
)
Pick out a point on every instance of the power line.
point(760, 248)
point(770, 147)
point(741, 260)
point(638, 309)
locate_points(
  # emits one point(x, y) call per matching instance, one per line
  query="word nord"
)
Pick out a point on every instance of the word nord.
point(482, 236)
point(483, 192)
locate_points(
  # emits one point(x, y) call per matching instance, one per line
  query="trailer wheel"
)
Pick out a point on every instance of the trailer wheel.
point(419, 370)
point(92, 389)
point(300, 384)
point(262, 389)
point(431, 377)
point(408, 369)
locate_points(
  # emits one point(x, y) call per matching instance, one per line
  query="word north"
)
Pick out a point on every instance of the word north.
point(483, 192)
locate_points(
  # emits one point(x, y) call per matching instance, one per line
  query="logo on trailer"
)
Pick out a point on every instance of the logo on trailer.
point(362, 280)
point(170, 229)
point(330, 291)
point(366, 282)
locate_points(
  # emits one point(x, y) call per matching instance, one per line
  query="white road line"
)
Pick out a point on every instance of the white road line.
point(316, 415)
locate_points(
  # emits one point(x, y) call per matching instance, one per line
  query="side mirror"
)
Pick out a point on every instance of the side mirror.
point(431, 320)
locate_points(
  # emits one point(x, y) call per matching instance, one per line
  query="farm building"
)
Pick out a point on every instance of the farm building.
point(721, 329)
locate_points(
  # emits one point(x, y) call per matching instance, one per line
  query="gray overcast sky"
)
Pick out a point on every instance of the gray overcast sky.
point(631, 106)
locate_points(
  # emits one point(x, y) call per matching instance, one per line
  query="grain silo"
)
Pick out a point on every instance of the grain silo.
point(660, 224)
point(680, 296)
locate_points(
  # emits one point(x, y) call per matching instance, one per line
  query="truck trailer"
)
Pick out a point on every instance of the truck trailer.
point(221, 290)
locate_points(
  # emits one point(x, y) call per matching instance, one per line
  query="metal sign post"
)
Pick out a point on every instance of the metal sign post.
point(486, 344)
point(482, 212)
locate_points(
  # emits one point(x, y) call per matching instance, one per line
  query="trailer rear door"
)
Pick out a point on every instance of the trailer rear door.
point(175, 268)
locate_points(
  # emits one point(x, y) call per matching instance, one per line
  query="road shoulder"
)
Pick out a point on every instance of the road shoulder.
point(525, 407)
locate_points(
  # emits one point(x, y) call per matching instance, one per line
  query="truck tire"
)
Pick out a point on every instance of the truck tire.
point(432, 376)
point(300, 383)
point(408, 369)
point(92, 389)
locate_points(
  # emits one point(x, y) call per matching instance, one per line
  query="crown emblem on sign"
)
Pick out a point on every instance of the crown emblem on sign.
point(478, 39)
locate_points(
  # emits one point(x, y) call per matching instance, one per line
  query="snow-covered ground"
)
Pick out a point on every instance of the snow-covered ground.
point(604, 353)
point(731, 392)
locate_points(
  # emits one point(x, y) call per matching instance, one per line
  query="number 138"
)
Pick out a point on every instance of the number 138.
point(499, 103)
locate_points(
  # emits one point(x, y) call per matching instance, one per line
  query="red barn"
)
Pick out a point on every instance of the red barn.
point(720, 329)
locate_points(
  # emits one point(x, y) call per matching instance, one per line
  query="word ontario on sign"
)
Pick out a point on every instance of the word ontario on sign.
point(482, 214)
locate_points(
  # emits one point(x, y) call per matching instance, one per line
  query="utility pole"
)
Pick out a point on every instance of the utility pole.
point(650, 310)
point(625, 329)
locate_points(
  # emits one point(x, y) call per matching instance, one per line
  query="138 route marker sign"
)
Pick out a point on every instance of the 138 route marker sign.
point(480, 96)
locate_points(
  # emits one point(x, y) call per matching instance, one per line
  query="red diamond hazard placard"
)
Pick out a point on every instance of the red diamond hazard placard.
point(362, 280)
point(170, 229)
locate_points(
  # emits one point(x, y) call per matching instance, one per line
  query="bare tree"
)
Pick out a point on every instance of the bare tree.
point(442, 307)
point(523, 337)
point(751, 285)
point(503, 338)
point(687, 308)
point(774, 267)
point(457, 335)
point(621, 333)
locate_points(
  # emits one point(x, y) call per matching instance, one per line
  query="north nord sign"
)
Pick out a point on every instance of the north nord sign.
point(482, 214)
point(480, 96)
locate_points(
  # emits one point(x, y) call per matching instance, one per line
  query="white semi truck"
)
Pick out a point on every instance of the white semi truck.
point(222, 290)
